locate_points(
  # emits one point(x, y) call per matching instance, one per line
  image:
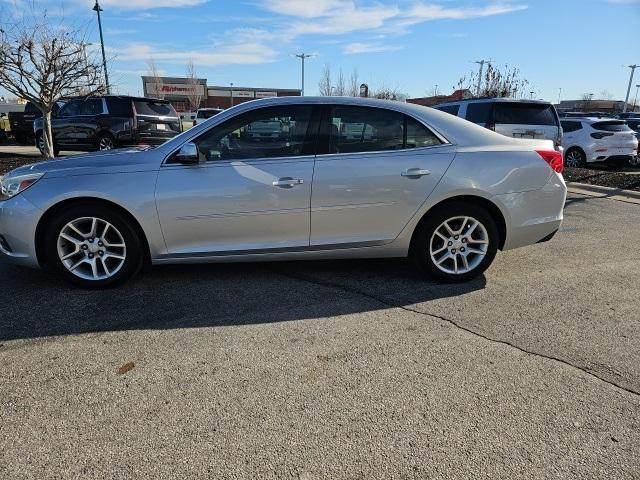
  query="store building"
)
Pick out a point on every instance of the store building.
point(183, 93)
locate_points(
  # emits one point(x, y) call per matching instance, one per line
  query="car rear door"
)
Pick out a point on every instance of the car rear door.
point(367, 188)
point(249, 194)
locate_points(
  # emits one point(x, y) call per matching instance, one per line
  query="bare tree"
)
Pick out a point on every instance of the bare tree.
point(497, 83)
point(388, 93)
point(194, 95)
point(43, 63)
point(324, 85)
point(354, 85)
point(339, 89)
point(154, 73)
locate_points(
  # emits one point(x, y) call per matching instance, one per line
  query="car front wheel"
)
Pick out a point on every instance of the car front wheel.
point(456, 243)
point(93, 246)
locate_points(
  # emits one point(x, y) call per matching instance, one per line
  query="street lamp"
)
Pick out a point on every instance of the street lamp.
point(231, 93)
point(635, 101)
point(97, 8)
point(303, 56)
point(626, 100)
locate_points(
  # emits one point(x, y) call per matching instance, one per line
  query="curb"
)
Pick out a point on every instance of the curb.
point(629, 196)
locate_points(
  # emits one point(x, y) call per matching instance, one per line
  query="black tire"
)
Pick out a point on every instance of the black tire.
point(134, 257)
point(576, 158)
point(425, 235)
point(105, 141)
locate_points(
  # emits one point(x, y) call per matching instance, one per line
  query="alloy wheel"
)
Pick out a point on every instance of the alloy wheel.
point(573, 159)
point(459, 245)
point(106, 143)
point(91, 248)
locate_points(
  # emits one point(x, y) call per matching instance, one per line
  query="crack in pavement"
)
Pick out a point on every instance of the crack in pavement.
point(457, 325)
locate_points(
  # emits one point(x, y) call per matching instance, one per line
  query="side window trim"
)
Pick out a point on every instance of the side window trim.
point(310, 142)
point(323, 136)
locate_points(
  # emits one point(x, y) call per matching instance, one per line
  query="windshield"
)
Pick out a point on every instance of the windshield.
point(611, 126)
point(524, 114)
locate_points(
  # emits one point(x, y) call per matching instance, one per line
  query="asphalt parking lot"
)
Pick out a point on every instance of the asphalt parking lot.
point(356, 369)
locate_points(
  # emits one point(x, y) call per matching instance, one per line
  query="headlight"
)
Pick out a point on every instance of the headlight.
point(10, 186)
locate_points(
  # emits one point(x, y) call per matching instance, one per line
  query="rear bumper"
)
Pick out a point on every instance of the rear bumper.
point(18, 221)
point(534, 216)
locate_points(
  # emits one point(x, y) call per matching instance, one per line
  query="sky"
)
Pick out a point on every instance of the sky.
point(579, 46)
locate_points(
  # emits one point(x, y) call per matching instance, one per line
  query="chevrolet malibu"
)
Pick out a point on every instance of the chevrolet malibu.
point(332, 178)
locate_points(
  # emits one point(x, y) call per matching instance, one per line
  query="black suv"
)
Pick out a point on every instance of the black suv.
point(104, 123)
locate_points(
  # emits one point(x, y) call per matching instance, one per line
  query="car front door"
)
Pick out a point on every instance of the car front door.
point(367, 187)
point(64, 124)
point(250, 193)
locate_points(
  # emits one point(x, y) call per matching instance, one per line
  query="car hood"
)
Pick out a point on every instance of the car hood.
point(112, 161)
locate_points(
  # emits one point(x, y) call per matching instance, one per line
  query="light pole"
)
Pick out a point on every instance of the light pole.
point(481, 63)
point(97, 8)
point(559, 94)
point(626, 100)
point(531, 94)
point(302, 56)
point(231, 93)
point(635, 101)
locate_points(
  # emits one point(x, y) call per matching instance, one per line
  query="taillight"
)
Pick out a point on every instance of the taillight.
point(553, 158)
point(600, 135)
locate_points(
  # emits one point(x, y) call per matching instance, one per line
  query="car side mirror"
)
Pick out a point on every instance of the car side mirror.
point(187, 155)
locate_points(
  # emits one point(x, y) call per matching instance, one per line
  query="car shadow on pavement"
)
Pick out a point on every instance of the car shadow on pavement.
point(36, 304)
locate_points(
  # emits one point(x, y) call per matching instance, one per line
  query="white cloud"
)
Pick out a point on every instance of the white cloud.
point(241, 54)
point(337, 17)
point(361, 47)
point(149, 4)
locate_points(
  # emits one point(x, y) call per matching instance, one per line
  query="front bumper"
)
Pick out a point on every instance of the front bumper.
point(18, 221)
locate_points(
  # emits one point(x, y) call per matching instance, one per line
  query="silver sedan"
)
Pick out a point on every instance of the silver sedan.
point(285, 179)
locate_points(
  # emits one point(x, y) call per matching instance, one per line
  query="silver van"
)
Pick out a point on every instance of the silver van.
point(510, 117)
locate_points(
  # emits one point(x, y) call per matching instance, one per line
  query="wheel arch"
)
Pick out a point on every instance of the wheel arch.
point(483, 202)
point(51, 212)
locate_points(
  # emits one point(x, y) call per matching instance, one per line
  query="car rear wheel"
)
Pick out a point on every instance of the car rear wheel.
point(93, 247)
point(106, 142)
point(574, 157)
point(456, 243)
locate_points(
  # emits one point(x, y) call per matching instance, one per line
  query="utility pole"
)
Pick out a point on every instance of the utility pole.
point(481, 63)
point(559, 94)
point(97, 8)
point(626, 100)
point(303, 56)
point(231, 93)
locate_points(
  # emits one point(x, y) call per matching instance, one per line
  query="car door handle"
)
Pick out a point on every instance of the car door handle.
point(287, 182)
point(415, 172)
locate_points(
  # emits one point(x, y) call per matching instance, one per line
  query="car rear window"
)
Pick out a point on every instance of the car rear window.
point(524, 114)
point(31, 108)
point(611, 126)
point(150, 107)
point(452, 109)
point(479, 112)
point(207, 113)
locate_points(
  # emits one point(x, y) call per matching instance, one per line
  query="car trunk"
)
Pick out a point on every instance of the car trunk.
point(615, 136)
point(155, 121)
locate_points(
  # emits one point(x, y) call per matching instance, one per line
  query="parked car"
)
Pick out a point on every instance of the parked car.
point(21, 123)
point(588, 140)
point(203, 113)
point(629, 115)
point(586, 114)
point(187, 119)
point(510, 117)
point(425, 184)
point(105, 123)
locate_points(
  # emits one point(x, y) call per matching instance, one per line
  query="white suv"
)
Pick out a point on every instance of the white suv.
point(510, 117)
point(589, 139)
